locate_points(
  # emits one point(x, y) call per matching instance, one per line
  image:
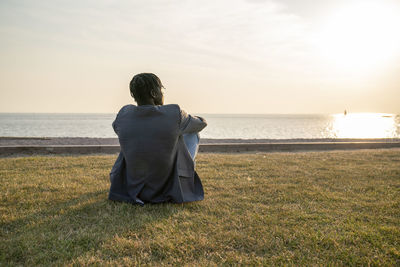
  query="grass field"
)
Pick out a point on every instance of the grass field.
point(316, 208)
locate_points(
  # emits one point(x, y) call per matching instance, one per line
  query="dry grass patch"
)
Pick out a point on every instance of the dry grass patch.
point(316, 208)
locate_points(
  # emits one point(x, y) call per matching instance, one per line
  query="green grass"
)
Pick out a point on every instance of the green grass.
point(317, 208)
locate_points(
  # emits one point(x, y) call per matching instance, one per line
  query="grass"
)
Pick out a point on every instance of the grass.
point(316, 208)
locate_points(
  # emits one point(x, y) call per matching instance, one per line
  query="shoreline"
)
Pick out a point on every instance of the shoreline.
point(11, 146)
point(90, 141)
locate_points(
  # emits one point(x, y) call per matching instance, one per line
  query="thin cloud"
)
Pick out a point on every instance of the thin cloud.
point(229, 29)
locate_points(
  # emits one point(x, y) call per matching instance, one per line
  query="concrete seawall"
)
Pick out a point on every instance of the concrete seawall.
point(213, 148)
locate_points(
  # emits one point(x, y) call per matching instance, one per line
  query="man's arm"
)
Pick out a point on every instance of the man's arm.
point(115, 123)
point(191, 124)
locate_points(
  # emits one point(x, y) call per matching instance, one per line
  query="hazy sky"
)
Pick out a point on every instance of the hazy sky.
point(224, 56)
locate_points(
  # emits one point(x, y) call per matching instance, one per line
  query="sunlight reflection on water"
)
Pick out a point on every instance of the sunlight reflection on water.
point(240, 126)
point(364, 125)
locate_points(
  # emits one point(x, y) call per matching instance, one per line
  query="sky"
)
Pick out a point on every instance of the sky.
point(225, 56)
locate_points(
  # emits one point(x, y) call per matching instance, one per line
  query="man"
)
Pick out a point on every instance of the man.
point(155, 163)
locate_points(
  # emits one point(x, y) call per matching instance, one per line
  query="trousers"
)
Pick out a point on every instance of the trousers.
point(192, 141)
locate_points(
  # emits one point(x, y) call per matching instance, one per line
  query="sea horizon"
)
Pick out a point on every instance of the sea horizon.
point(217, 114)
point(220, 126)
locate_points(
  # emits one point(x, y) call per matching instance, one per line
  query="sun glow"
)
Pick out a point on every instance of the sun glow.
point(364, 125)
point(361, 37)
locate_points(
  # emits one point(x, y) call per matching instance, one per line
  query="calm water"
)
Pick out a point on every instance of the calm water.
point(357, 125)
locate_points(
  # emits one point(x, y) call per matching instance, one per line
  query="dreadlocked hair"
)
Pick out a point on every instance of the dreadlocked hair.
point(141, 85)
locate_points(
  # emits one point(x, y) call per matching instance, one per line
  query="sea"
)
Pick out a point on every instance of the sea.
point(220, 126)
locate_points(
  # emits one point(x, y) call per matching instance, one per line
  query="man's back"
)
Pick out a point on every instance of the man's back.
point(153, 164)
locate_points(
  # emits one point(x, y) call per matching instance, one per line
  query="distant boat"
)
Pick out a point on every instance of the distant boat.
point(345, 112)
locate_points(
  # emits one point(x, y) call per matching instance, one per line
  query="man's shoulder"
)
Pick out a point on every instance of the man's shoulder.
point(174, 108)
point(126, 108)
point(171, 107)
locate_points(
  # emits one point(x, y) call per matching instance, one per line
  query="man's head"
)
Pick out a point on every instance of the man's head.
point(146, 89)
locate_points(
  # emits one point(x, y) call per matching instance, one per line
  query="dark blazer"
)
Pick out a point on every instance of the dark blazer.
point(154, 164)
